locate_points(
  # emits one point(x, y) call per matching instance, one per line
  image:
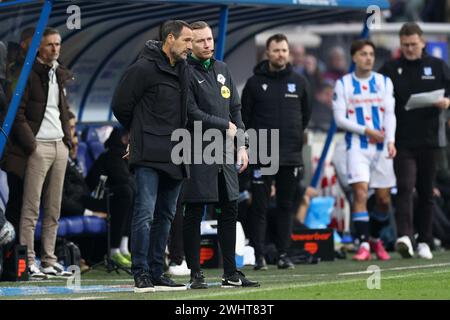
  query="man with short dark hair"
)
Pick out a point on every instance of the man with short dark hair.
point(419, 137)
point(151, 102)
point(276, 97)
point(363, 106)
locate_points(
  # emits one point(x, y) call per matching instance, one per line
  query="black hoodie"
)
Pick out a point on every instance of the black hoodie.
point(151, 102)
point(110, 163)
point(278, 100)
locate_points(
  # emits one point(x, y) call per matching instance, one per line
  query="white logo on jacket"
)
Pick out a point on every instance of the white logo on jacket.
point(428, 73)
point(291, 87)
point(221, 79)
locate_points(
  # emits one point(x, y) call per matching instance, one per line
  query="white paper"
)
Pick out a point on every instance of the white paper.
point(424, 99)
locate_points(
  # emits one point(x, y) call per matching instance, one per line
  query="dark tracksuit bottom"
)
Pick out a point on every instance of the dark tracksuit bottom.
point(226, 220)
point(286, 181)
point(121, 209)
point(176, 247)
point(415, 168)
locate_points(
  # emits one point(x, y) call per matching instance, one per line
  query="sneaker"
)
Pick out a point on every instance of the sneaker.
point(380, 251)
point(126, 255)
point(423, 251)
point(198, 281)
point(35, 273)
point(237, 279)
point(178, 270)
point(164, 283)
point(121, 260)
point(56, 270)
point(284, 262)
point(142, 283)
point(261, 264)
point(404, 247)
point(363, 253)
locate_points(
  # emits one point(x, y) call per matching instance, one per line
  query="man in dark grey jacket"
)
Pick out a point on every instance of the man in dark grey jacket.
point(215, 102)
point(150, 101)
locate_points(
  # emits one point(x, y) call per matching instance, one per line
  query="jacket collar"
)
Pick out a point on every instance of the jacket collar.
point(199, 64)
point(263, 69)
point(63, 74)
point(153, 52)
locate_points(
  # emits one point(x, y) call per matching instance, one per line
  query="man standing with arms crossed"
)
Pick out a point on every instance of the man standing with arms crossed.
point(420, 135)
point(151, 102)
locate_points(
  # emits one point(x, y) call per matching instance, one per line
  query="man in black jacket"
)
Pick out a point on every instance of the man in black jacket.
point(419, 136)
point(276, 97)
point(215, 102)
point(151, 102)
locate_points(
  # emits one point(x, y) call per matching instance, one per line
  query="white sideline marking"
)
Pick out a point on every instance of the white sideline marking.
point(79, 298)
point(241, 291)
point(397, 269)
point(130, 280)
point(277, 275)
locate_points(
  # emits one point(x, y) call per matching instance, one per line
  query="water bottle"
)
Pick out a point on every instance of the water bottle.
point(100, 189)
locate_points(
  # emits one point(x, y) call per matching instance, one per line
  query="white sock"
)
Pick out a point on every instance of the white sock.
point(124, 246)
point(114, 251)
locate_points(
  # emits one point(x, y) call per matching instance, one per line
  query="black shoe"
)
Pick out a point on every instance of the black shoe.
point(284, 262)
point(237, 279)
point(260, 264)
point(164, 283)
point(142, 283)
point(198, 281)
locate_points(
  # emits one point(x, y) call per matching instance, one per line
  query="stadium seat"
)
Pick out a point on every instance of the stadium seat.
point(96, 148)
point(38, 230)
point(94, 225)
point(75, 225)
point(62, 228)
point(89, 134)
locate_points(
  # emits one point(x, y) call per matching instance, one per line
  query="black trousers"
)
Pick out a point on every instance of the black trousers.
point(121, 208)
point(14, 205)
point(415, 168)
point(286, 181)
point(226, 221)
point(176, 249)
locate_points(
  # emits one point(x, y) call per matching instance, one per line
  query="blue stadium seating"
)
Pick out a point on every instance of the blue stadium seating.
point(88, 150)
point(76, 226)
point(96, 148)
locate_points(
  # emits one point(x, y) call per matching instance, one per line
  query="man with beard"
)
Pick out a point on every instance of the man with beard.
point(151, 102)
point(276, 98)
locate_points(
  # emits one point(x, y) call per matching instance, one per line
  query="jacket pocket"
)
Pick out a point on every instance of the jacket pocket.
point(156, 144)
